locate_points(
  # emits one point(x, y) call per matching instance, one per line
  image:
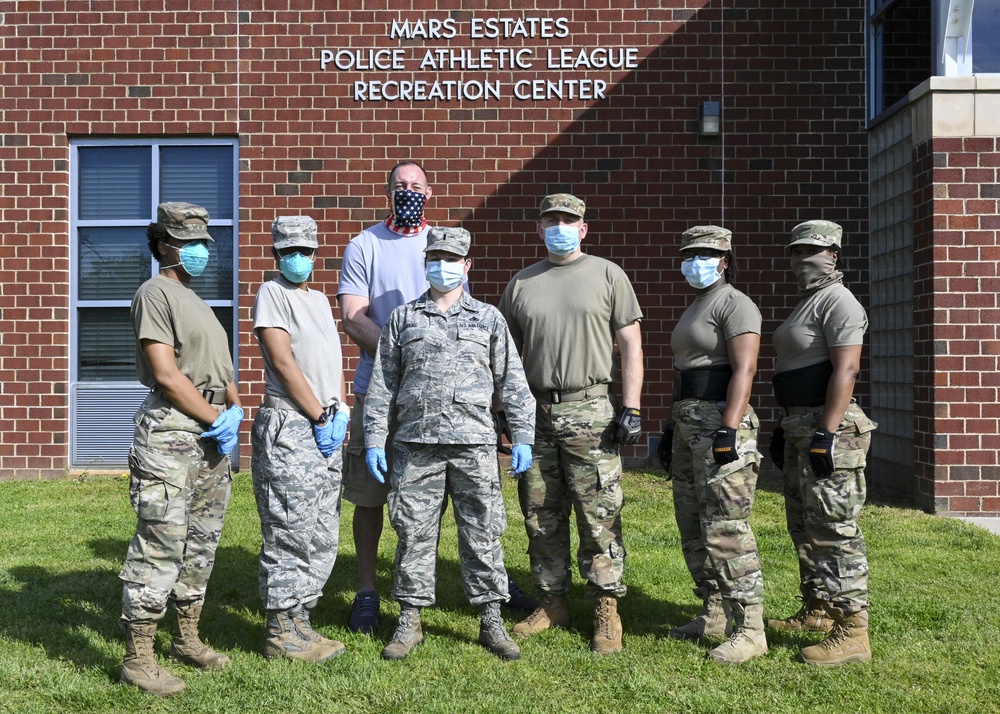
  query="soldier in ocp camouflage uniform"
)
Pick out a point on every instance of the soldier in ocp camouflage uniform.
point(713, 441)
point(440, 360)
point(821, 446)
point(297, 435)
point(178, 464)
point(566, 313)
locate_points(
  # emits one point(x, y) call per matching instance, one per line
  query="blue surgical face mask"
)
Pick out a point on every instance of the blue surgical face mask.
point(445, 276)
point(562, 239)
point(701, 273)
point(296, 267)
point(193, 258)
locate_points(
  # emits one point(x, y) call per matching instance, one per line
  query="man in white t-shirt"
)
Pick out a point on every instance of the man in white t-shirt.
point(383, 268)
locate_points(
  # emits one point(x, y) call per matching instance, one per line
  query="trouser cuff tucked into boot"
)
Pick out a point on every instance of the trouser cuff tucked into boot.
point(493, 635)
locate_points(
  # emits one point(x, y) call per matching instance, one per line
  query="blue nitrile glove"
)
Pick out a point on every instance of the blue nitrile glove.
point(340, 421)
point(520, 460)
point(323, 433)
point(226, 429)
point(375, 458)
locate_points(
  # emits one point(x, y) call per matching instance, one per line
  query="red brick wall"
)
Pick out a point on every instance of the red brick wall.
point(791, 80)
point(958, 346)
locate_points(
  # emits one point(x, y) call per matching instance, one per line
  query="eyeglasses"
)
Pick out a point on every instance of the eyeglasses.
point(704, 254)
point(306, 252)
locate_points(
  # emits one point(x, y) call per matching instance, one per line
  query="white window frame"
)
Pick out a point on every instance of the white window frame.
point(122, 397)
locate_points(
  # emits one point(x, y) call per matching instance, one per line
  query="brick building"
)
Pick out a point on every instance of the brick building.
point(878, 119)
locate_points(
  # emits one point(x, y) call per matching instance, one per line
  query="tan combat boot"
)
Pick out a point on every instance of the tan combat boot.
point(847, 643)
point(710, 622)
point(492, 634)
point(304, 625)
point(811, 617)
point(748, 640)
point(408, 634)
point(187, 646)
point(551, 613)
point(607, 626)
point(139, 668)
point(284, 638)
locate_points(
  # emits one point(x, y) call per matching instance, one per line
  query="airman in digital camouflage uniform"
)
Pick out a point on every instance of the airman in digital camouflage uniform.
point(821, 445)
point(713, 433)
point(297, 435)
point(440, 360)
point(178, 464)
point(566, 313)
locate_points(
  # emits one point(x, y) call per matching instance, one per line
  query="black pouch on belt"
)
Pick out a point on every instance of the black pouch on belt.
point(803, 387)
point(708, 383)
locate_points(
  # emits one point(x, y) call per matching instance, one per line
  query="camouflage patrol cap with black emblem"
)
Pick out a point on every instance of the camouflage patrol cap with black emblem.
point(292, 231)
point(825, 234)
point(563, 203)
point(449, 240)
point(711, 237)
point(184, 221)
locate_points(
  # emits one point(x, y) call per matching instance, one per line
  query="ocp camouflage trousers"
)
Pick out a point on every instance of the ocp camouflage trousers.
point(712, 503)
point(179, 488)
point(576, 467)
point(822, 512)
point(297, 491)
point(423, 476)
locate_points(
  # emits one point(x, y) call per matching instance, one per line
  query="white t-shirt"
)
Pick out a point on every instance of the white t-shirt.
point(307, 318)
point(388, 269)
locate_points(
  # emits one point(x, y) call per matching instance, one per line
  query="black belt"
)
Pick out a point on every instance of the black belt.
point(803, 387)
point(272, 401)
point(558, 397)
point(215, 397)
point(709, 383)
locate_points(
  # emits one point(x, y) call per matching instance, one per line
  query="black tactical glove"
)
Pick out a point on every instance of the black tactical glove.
point(821, 453)
point(777, 447)
point(665, 451)
point(628, 426)
point(724, 446)
point(502, 428)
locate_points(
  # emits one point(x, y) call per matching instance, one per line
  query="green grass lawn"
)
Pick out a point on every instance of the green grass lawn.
point(935, 621)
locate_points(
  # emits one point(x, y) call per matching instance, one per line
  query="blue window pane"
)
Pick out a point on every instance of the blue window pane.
point(985, 31)
point(202, 175)
point(113, 263)
point(225, 316)
point(115, 183)
point(106, 349)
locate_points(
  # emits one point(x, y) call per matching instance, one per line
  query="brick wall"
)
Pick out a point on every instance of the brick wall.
point(957, 231)
point(791, 81)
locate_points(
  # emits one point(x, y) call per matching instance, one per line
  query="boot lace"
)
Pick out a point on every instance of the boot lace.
point(603, 627)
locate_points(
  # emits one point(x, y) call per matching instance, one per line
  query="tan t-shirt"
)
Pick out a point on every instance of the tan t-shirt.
point(715, 316)
point(167, 311)
point(830, 317)
point(563, 319)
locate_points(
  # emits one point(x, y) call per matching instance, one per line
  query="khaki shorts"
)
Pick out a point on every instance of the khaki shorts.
point(360, 487)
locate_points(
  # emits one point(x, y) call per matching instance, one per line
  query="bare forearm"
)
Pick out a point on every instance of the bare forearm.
point(737, 398)
point(838, 397)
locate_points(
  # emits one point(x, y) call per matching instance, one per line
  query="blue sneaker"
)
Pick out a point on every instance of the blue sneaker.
point(519, 600)
point(364, 612)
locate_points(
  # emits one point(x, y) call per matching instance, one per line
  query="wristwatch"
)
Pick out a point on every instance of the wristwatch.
point(322, 420)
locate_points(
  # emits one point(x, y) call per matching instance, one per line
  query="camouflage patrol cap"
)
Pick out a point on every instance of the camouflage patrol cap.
point(822, 233)
point(450, 240)
point(564, 203)
point(711, 237)
point(290, 231)
point(184, 221)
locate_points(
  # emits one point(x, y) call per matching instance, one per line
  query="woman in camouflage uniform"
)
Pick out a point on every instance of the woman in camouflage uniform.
point(713, 441)
point(820, 446)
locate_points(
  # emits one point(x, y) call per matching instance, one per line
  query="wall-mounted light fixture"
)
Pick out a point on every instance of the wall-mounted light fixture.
point(709, 119)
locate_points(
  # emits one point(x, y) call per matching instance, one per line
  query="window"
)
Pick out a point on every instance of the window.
point(116, 188)
point(985, 31)
point(900, 50)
